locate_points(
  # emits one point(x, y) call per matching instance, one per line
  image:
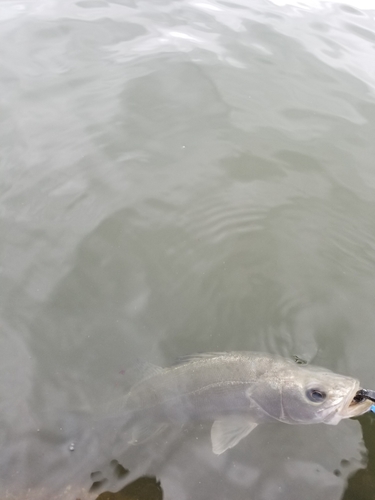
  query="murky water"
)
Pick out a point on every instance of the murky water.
point(182, 176)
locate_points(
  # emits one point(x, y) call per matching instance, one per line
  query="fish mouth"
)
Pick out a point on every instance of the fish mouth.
point(356, 403)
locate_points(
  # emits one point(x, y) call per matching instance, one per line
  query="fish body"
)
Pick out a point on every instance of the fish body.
point(238, 391)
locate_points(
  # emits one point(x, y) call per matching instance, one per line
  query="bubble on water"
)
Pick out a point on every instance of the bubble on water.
point(71, 447)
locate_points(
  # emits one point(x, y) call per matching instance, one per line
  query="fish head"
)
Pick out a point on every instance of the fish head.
point(313, 395)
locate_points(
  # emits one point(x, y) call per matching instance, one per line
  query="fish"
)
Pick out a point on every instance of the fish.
point(237, 391)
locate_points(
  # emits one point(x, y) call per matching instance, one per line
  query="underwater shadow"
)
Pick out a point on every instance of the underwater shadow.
point(361, 485)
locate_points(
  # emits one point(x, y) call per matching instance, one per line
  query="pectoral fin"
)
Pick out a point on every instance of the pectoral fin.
point(228, 431)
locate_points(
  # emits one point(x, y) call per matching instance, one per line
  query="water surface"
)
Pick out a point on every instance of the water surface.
point(178, 177)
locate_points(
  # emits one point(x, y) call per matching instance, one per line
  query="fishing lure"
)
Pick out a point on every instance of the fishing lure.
point(366, 394)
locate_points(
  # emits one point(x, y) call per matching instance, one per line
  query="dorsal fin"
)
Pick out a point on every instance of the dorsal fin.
point(298, 360)
point(189, 358)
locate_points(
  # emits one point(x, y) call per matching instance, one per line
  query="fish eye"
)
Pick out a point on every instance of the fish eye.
point(316, 395)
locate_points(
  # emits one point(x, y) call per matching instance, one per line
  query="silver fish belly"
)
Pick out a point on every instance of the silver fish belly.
point(239, 390)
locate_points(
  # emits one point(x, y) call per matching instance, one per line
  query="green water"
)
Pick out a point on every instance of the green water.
point(179, 177)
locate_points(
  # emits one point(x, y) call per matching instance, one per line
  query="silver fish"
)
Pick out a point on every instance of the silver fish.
point(238, 391)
